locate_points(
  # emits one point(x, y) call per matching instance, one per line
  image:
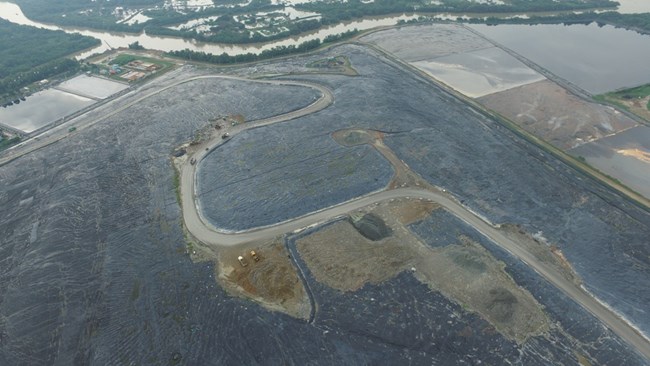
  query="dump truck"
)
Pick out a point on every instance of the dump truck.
point(255, 257)
point(242, 261)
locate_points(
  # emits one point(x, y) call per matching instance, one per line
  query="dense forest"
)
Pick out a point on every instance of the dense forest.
point(637, 22)
point(30, 54)
point(101, 14)
point(278, 51)
point(333, 12)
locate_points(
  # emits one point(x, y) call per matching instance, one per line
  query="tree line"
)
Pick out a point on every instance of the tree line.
point(98, 14)
point(31, 54)
point(333, 12)
point(636, 22)
point(225, 58)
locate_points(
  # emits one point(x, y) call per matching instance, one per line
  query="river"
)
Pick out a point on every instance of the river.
point(633, 6)
point(13, 13)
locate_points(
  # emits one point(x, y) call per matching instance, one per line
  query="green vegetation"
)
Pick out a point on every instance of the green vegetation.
point(176, 180)
point(7, 142)
point(629, 99)
point(224, 58)
point(97, 14)
point(135, 291)
point(124, 59)
point(105, 14)
point(136, 46)
point(637, 22)
point(32, 54)
point(638, 92)
point(338, 64)
point(334, 12)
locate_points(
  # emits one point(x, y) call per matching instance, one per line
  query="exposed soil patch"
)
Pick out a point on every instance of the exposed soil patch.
point(542, 250)
point(548, 111)
point(343, 259)
point(340, 257)
point(271, 280)
point(408, 211)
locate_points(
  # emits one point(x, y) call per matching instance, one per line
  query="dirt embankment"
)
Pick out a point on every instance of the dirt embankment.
point(340, 257)
point(548, 111)
point(271, 280)
point(543, 251)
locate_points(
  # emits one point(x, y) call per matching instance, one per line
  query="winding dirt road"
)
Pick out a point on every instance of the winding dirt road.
point(210, 235)
point(61, 132)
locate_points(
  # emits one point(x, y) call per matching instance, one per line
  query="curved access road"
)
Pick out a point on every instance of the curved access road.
point(209, 235)
point(212, 236)
point(61, 132)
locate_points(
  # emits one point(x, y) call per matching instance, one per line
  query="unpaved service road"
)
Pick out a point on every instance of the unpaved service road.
point(60, 132)
point(615, 323)
point(212, 236)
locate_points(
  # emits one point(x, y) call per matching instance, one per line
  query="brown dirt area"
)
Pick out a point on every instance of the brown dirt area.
point(272, 281)
point(339, 257)
point(402, 175)
point(543, 251)
point(638, 106)
point(548, 111)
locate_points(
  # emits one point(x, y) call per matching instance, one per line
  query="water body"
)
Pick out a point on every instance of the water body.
point(625, 156)
point(92, 87)
point(598, 59)
point(633, 6)
point(13, 13)
point(41, 109)
point(481, 72)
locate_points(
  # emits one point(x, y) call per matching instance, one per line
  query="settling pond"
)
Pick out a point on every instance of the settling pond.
point(625, 156)
point(47, 106)
point(597, 59)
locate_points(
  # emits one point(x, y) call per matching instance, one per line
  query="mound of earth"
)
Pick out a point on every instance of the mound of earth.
point(501, 304)
point(371, 226)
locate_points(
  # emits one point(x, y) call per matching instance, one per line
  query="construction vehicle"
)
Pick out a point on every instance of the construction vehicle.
point(256, 258)
point(193, 161)
point(242, 261)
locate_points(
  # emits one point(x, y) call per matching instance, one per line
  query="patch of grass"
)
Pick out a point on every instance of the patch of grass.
point(609, 99)
point(124, 59)
point(6, 143)
point(638, 92)
point(176, 179)
point(135, 292)
point(619, 96)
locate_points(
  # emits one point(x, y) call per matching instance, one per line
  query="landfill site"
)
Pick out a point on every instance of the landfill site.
point(292, 213)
